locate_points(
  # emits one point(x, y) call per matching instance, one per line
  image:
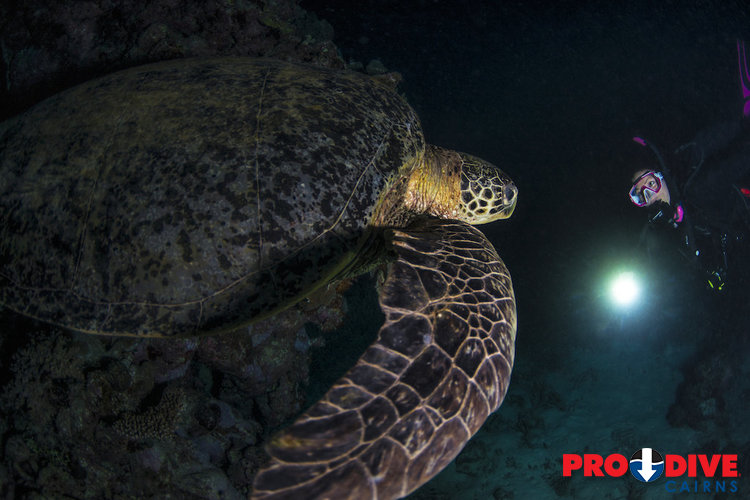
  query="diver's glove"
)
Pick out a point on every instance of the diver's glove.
point(664, 213)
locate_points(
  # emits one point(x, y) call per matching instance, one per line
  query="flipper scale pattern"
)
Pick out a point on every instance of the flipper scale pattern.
point(440, 366)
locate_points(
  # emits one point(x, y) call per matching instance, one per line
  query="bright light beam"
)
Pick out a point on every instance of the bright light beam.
point(624, 290)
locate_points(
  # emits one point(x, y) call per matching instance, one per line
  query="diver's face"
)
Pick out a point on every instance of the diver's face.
point(648, 188)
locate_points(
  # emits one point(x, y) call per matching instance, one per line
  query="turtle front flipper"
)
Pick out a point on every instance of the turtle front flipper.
point(440, 366)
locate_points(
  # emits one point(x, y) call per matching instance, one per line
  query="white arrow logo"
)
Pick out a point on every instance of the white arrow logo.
point(647, 466)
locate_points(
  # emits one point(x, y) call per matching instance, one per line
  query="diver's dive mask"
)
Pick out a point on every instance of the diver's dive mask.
point(646, 187)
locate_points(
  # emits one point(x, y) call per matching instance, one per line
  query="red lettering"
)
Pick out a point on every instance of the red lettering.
point(616, 465)
point(709, 467)
point(571, 462)
point(674, 465)
point(593, 465)
point(729, 466)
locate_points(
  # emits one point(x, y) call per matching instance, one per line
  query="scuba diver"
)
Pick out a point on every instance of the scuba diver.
point(711, 209)
point(704, 203)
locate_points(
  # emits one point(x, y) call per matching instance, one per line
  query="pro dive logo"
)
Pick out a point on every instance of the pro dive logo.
point(646, 465)
point(691, 473)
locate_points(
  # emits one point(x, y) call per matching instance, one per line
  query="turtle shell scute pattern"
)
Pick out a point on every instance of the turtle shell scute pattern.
point(189, 196)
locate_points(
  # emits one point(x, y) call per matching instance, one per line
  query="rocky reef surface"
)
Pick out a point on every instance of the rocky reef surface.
point(48, 45)
point(84, 416)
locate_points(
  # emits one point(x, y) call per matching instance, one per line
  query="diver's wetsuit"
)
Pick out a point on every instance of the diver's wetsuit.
point(715, 226)
point(718, 162)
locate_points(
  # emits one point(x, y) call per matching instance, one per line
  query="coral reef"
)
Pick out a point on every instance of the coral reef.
point(96, 417)
point(48, 45)
point(103, 415)
point(156, 422)
point(699, 399)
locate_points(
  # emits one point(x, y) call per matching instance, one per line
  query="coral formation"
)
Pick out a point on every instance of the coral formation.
point(156, 422)
point(699, 400)
point(98, 414)
point(95, 417)
point(48, 45)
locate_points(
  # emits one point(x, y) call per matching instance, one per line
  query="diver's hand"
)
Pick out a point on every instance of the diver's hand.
point(663, 213)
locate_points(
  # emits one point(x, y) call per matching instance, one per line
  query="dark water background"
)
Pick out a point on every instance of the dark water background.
point(552, 92)
point(553, 95)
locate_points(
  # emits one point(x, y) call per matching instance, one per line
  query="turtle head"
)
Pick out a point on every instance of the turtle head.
point(487, 193)
point(459, 186)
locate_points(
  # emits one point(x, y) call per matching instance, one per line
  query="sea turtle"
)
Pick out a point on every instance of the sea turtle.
point(192, 196)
